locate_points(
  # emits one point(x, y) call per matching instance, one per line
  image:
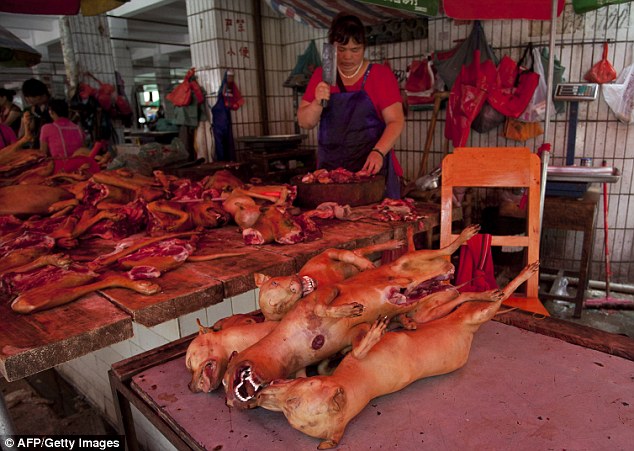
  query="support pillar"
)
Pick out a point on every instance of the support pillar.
point(86, 48)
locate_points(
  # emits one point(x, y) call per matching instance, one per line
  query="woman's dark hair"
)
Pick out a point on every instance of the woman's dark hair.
point(33, 88)
point(345, 27)
point(59, 106)
point(8, 93)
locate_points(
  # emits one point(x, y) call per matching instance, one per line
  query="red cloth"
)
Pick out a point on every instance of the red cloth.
point(500, 9)
point(475, 269)
point(381, 86)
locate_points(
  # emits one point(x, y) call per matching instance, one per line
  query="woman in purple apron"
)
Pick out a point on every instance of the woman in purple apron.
point(364, 113)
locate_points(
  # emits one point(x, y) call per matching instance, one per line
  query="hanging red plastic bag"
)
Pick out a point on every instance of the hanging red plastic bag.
point(467, 97)
point(515, 85)
point(419, 85)
point(475, 270)
point(181, 95)
point(104, 95)
point(603, 71)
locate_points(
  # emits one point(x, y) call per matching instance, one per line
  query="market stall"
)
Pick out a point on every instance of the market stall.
point(566, 370)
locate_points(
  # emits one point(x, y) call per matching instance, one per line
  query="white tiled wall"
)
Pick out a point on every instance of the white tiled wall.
point(89, 374)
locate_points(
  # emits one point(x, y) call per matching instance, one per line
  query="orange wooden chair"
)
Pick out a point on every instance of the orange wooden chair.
point(497, 167)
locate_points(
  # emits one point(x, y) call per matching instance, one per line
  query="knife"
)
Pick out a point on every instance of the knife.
point(328, 66)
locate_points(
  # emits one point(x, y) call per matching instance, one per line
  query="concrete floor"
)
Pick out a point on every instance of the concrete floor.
point(46, 404)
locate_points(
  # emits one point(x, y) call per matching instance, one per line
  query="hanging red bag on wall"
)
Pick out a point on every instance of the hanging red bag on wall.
point(419, 85)
point(515, 85)
point(603, 71)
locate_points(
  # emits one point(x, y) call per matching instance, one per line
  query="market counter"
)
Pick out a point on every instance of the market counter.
point(33, 343)
point(578, 397)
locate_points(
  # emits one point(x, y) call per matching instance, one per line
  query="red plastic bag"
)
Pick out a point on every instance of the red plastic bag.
point(475, 270)
point(181, 95)
point(515, 85)
point(467, 98)
point(419, 85)
point(603, 71)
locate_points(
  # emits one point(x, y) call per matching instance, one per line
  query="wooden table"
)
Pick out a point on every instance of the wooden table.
point(579, 215)
point(529, 383)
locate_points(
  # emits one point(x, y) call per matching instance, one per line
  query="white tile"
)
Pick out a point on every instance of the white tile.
point(244, 303)
point(122, 348)
point(218, 311)
point(187, 323)
point(168, 330)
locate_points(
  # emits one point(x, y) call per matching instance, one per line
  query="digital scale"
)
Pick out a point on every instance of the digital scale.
point(574, 93)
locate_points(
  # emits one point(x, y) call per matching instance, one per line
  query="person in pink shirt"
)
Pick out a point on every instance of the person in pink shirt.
point(7, 136)
point(61, 138)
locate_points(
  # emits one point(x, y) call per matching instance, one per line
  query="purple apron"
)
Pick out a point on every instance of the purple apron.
point(348, 130)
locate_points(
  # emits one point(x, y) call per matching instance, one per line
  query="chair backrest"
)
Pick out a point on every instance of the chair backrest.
point(495, 167)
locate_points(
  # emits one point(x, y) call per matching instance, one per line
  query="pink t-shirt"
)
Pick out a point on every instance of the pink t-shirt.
point(7, 136)
point(381, 86)
point(58, 147)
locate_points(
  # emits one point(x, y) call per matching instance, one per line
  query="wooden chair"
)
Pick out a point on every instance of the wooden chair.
point(497, 167)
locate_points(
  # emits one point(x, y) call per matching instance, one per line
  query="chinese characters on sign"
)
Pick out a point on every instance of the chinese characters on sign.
point(236, 25)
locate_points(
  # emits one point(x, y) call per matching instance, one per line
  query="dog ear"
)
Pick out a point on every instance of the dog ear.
point(202, 329)
point(338, 400)
point(260, 279)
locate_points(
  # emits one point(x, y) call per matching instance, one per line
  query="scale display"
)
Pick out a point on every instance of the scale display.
point(576, 92)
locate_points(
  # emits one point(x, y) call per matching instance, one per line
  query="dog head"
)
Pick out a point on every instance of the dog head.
point(206, 360)
point(278, 294)
point(316, 406)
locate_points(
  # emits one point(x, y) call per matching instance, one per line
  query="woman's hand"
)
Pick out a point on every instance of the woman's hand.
point(374, 162)
point(322, 91)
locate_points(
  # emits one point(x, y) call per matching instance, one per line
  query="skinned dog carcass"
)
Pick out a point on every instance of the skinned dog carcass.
point(328, 319)
point(279, 294)
point(208, 354)
point(322, 406)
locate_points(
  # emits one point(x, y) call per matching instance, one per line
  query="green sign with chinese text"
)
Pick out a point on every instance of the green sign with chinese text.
point(424, 7)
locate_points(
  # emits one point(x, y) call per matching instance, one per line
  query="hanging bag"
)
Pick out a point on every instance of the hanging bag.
point(448, 63)
point(420, 82)
point(536, 109)
point(181, 95)
point(620, 95)
point(516, 85)
point(601, 72)
point(521, 131)
point(558, 77)
point(475, 270)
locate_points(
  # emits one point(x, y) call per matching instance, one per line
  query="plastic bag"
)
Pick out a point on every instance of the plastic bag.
point(306, 64)
point(487, 119)
point(449, 62)
point(181, 95)
point(558, 77)
point(536, 109)
point(521, 131)
point(516, 85)
point(620, 95)
point(601, 72)
point(420, 82)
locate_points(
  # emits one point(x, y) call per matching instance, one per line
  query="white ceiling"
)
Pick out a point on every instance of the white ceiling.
point(148, 28)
